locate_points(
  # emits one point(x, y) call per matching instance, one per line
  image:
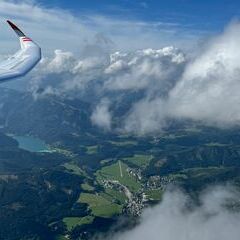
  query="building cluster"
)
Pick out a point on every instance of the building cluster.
point(158, 182)
point(134, 207)
point(136, 173)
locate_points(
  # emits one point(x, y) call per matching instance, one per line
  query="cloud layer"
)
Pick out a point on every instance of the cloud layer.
point(172, 219)
point(158, 84)
point(153, 73)
point(154, 85)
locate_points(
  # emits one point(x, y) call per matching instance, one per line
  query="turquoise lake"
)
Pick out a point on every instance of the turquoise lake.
point(31, 144)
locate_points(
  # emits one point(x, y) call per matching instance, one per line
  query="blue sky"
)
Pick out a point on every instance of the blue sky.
point(129, 24)
point(204, 15)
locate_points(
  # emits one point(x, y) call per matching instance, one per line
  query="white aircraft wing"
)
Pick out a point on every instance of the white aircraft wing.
point(22, 61)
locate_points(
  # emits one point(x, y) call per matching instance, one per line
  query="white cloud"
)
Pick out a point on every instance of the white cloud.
point(145, 68)
point(203, 89)
point(173, 86)
point(59, 29)
point(173, 219)
point(150, 70)
point(62, 62)
point(209, 88)
point(207, 91)
point(147, 117)
point(101, 116)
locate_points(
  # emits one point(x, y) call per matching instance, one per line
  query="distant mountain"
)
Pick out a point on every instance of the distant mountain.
point(47, 117)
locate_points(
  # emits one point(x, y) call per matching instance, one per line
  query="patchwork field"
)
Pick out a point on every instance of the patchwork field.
point(113, 172)
point(72, 222)
point(73, 168)
point(141, 161)
point(99, 205)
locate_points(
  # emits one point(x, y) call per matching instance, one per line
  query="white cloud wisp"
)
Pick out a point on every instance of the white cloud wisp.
point(172, 219)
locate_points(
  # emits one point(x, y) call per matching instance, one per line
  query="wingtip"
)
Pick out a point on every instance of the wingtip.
point(16, 29)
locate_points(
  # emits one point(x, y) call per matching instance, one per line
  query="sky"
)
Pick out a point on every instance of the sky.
point(205, 15)
point(128, 24)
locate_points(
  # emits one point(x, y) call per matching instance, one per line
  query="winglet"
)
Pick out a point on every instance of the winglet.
point(16, 29)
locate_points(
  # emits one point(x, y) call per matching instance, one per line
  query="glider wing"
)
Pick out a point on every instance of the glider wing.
point(23, 60)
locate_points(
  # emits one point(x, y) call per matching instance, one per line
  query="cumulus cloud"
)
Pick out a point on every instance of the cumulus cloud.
point(207, 91)
point(62, 62)
point(64, 72)
point(147, 117)
point(101, 116)
point(178, 218)
point(209, 88)
point(172, 86)
point(155, 71)
point(156, 85)
point(145, 69)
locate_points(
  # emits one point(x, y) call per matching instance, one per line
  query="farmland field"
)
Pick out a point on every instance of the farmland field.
point(72, 222)
point(112, 172)
point(141, 161)
point(99, 205)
